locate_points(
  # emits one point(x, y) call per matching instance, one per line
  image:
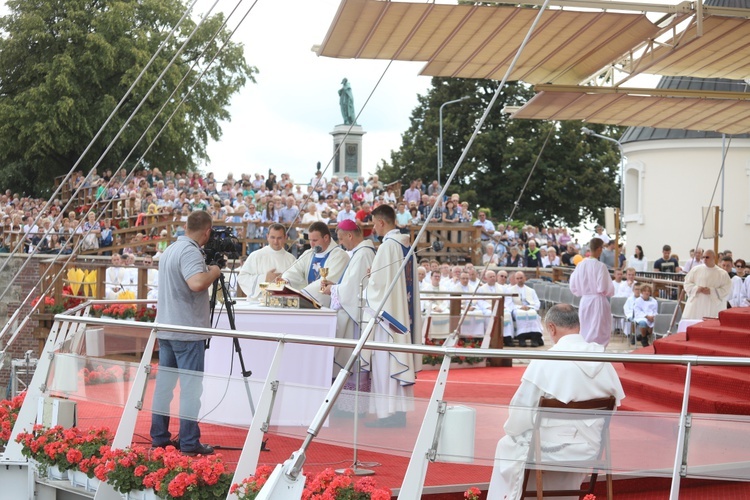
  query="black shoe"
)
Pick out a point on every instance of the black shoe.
point(644, 341)
point(202, 449)
point(534, 343)
point(508, 341)
point(173, 442)
point(398, 419)
point(632, 340)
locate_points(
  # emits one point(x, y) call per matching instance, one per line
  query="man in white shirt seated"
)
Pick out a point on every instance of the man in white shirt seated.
point(266, 264)
point(422, 276)
point(561, 441)
point(525, 309)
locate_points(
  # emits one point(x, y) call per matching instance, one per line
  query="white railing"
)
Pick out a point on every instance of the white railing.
point(71, 325)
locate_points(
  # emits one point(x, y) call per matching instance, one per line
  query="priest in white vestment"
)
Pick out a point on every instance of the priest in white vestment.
point(266, 264)
point(393, 374)
point(345, 299)
point(115, 275)
point(439, 304)
point(525, 310)
point(130, 274)
point(305, 273)
point(345, 293)
point(562, 440)
point(590, 281)
point(492, 286)
point(707, 288)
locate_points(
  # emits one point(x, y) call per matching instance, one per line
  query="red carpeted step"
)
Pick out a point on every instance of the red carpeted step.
point(697, 348)
point(723, 380)
point(670, 393)
point(732, 335)
point(736, 317)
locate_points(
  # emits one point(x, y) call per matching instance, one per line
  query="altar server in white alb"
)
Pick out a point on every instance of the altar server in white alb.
point(305, 273)
point(345, 293)
point(562, 441)
point(707, 288)
point(591, 281)
point(393, 374)
point(266, 264)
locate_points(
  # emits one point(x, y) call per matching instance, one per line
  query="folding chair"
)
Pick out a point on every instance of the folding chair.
point(575, 410)
point(618, 312)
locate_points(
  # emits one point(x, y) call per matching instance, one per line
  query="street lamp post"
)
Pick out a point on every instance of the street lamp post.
point(588, 131)
point(440, 139)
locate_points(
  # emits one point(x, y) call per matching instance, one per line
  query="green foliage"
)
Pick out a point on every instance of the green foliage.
point(575, 178)
point(64, 65)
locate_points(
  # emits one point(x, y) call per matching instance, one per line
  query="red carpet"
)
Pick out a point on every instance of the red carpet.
point(648, 388)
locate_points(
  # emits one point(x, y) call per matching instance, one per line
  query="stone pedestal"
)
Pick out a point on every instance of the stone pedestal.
point(348, 161)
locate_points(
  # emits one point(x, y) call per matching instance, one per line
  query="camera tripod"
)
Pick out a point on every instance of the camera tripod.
point(220, 285)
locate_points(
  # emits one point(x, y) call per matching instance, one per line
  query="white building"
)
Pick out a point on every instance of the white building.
point(671, 174)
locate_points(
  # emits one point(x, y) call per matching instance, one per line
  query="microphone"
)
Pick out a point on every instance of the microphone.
point(317, 249)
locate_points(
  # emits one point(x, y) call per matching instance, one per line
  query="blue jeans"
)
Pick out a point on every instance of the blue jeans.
point(183, 355)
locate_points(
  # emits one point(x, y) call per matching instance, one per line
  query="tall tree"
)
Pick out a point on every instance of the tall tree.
point(64, 64)
point(573, 180)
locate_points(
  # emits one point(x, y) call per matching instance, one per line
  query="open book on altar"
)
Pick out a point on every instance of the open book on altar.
point(282, 295)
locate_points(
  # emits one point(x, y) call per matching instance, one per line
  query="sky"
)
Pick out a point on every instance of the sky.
point(283, 122)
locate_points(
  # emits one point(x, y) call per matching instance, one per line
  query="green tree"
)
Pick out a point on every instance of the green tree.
point(575, 177)
point(64, 64)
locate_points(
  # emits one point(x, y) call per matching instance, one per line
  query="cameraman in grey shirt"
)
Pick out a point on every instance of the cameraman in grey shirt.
point(184, 279)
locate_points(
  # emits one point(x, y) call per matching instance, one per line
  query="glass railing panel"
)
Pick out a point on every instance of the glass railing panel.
point(717, 447)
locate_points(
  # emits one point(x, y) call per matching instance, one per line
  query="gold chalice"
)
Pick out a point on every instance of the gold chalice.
point(324, 275)
point(263, 292)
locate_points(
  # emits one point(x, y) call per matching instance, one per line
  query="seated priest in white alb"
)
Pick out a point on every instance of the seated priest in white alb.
point(436, 305)
point(525, 311)
point(422, 277)
point(491, 286)
point(114, 277)
point(562, 441)
point(304, 274)
point(153, 279)
point(130, 276)
point(266, 264)
point(346, 294)
point(470, 328)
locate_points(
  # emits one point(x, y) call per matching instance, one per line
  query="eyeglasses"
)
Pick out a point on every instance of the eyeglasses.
point(705, 257)
point(738, 265)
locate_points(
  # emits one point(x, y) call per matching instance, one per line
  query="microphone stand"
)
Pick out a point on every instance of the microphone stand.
point(355, 460)
point(436, 246)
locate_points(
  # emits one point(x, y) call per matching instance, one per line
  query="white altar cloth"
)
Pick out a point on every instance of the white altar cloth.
point(308, 368)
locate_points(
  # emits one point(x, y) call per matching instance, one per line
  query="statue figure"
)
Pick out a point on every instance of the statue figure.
point(346, 101)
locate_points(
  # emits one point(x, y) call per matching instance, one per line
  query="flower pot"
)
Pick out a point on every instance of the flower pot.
point(54, 473)
point(77, 478)
point(81, 480)
point(148, 494)
point(93, 484)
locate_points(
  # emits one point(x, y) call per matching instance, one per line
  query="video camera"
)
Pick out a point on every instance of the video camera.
point(221, 245)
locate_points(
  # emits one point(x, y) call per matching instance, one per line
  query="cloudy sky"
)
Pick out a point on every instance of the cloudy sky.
point(283, 122)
